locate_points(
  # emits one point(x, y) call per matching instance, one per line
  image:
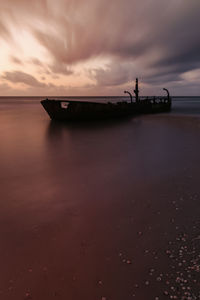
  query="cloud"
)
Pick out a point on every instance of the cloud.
point(157, 40)
point(21, 77)
point(58, 68)
point(162, 34)
point(114, 74)
point(16, 60)
point(3, 30)
point(35, 61)
point(81, 34)
point(51, 69)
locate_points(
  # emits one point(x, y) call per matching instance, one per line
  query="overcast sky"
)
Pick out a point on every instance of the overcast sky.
point(99, 47)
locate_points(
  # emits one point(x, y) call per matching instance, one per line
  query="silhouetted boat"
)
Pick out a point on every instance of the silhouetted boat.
point(67, 110)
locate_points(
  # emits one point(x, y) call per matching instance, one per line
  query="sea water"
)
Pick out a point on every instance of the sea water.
point(106, 210)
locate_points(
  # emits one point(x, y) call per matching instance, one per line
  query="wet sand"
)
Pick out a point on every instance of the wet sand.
point(106, 212)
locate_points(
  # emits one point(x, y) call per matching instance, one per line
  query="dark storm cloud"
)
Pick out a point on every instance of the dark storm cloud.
point(165, 35)
point(181, 39)
point(21, 77)
point(159, 38)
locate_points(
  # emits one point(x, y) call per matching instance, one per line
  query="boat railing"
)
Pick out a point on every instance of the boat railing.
point(154, 99)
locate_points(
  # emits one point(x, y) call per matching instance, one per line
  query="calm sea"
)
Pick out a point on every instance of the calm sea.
point(104, 211)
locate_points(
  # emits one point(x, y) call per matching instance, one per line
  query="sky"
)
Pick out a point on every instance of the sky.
point(99, 47)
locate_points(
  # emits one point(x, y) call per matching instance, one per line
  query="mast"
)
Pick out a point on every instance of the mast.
point(136, 91)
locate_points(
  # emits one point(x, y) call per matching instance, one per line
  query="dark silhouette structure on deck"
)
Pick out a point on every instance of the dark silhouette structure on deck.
point(136, 91)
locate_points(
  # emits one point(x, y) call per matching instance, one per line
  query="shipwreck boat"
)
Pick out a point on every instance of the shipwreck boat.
point(68, 110)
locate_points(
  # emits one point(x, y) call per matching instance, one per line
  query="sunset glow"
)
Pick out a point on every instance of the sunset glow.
point(96, 47)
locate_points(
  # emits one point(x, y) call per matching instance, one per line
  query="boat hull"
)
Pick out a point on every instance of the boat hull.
point(85, 111)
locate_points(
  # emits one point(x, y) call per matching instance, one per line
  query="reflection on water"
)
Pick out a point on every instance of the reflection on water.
point(87, 210)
